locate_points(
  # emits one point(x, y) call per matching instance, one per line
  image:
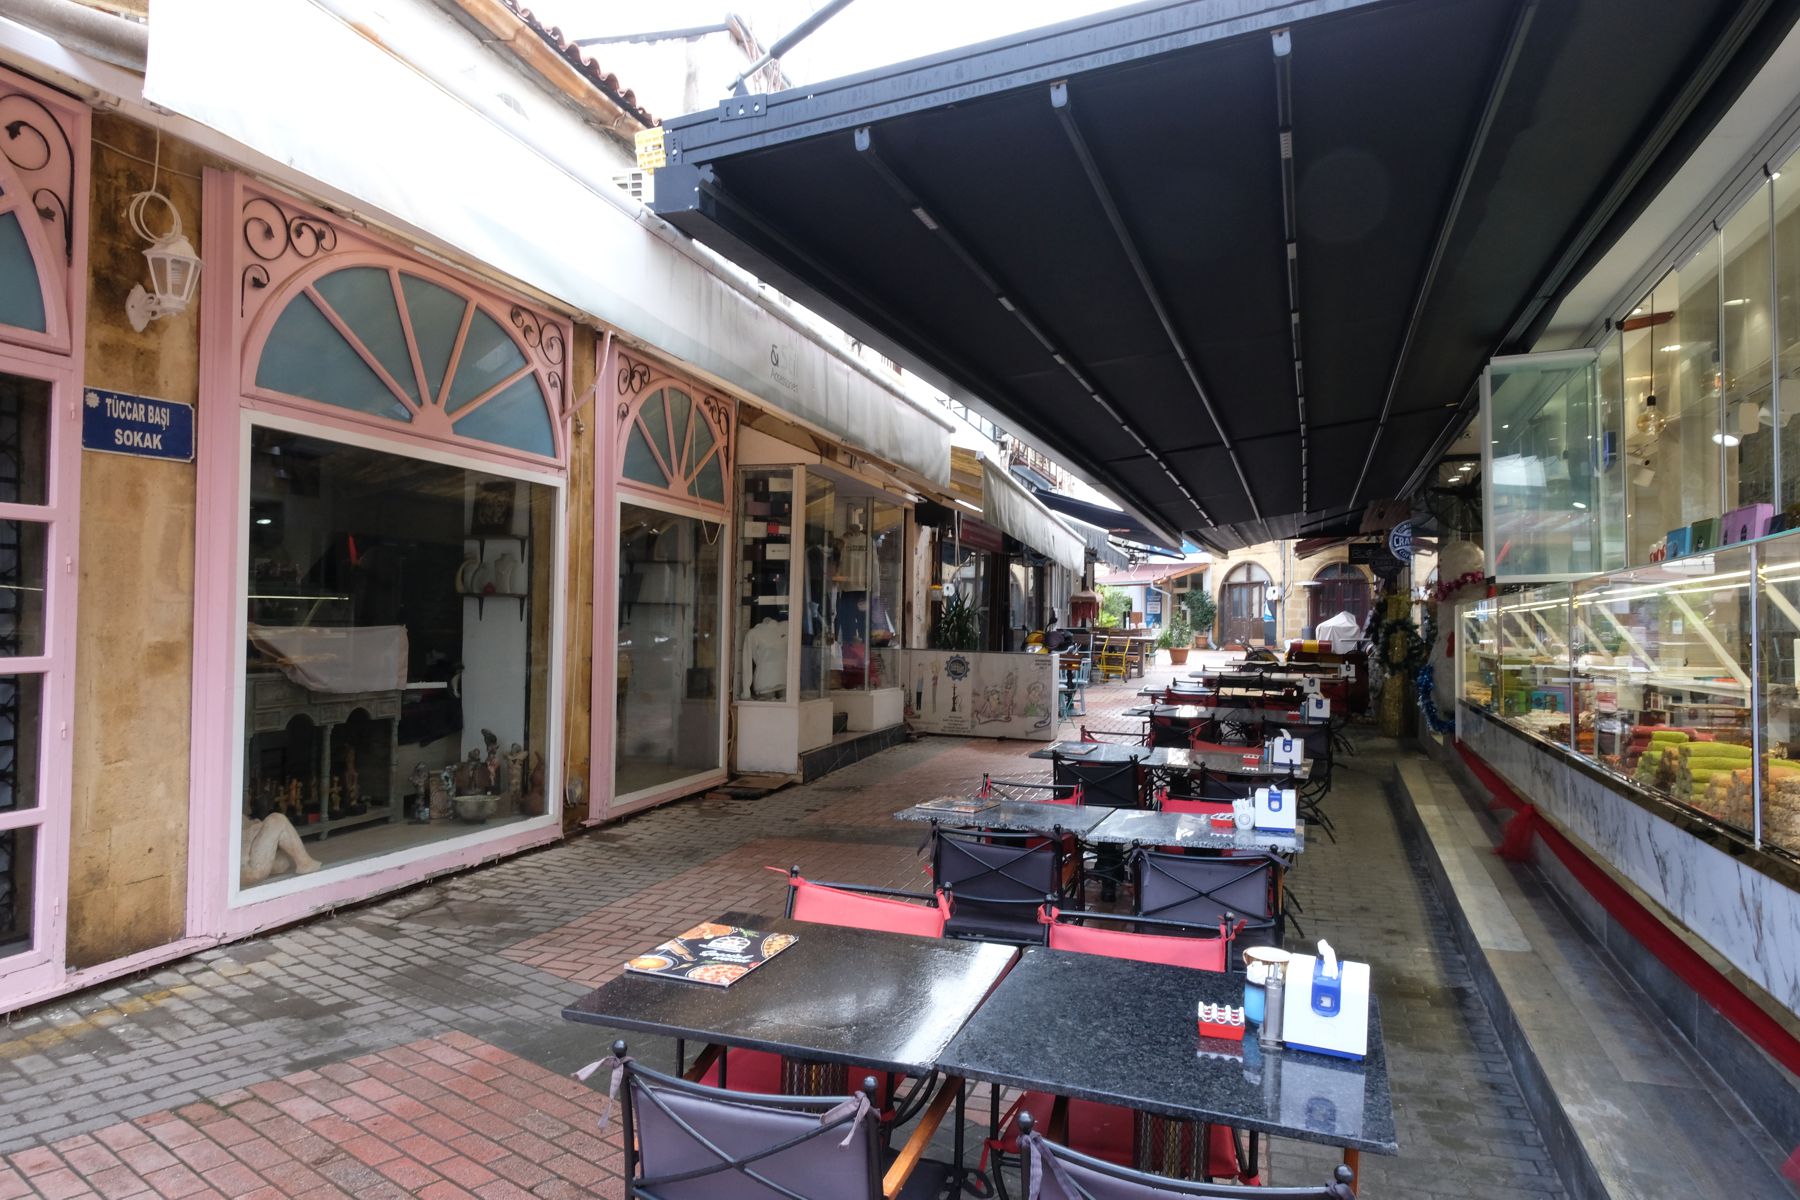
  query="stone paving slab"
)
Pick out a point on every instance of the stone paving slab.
point(421, 1034)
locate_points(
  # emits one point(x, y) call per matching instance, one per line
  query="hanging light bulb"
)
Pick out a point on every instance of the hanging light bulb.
point(1649, 420)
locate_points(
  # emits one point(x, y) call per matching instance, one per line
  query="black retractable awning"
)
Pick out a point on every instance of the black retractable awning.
point(1237, 262)
point(1119, 524)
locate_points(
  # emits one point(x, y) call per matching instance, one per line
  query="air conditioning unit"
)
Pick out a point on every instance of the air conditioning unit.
point(640, 185)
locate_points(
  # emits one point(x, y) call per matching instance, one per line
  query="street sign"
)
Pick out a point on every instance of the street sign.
point(120, 423)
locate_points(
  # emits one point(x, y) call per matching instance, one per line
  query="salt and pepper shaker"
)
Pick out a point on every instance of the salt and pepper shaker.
point(1274, 994)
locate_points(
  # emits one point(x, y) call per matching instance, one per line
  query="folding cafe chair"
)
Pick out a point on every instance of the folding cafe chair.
point(687, 1141)
point(1204, 891)
point(998, 880)
point(1114, 785)
point(1049, 1171)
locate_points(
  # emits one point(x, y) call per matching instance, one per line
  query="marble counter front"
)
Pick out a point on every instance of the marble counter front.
point(1740, 900)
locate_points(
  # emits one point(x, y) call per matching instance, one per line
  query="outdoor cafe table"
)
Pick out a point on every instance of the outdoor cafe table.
point(1055, 1025)
point(885, 1001)
point(1227, 714)
point(1099, 825)
point(1015, 816)
point(1189, 831)
point(1163, 760)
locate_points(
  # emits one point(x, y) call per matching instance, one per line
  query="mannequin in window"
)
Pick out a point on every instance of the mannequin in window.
point(764, 660)
point(271, 847)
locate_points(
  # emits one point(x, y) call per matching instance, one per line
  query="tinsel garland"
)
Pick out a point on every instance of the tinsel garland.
point(1426, 680)
point(1448, 588)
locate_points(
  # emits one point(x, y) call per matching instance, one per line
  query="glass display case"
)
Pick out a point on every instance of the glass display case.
point(1677, 676)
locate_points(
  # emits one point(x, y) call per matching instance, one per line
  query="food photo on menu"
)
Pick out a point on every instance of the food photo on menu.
point(713, 954)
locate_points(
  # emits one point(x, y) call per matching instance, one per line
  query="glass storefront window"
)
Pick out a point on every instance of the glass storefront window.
point(1748, 429)
point(398, 619)
point(668, 711)
point(1778, 671)
point(1478, 651)
point(1543, 479)
point(888, 605)
point(1785, 188)
point(1686, 371)
point(765, 574)
point(820, 651)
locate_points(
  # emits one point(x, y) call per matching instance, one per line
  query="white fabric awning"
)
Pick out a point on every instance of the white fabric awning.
point(1007, 506)
point(431, 129)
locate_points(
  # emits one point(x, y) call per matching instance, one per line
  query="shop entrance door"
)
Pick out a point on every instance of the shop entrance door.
point(1241, 610)
point(39, 461)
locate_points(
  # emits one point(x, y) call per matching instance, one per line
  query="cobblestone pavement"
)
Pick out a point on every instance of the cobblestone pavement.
point(413, 1046)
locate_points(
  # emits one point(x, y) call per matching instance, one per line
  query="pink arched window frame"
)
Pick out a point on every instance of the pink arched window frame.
point(262, 249)
point(633, 379)
point(43, 182)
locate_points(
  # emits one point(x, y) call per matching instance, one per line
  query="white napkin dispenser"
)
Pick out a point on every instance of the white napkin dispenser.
point(1286, 750)
point(1310, 685)
point(1318, 707)
point(1326, 1006)
point(1276, 809)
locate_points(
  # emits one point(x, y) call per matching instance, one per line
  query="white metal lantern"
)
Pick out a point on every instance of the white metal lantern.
point(174, 267)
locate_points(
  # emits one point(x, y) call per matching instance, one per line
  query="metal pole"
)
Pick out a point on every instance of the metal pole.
point(788, 41)
point(1756, 694)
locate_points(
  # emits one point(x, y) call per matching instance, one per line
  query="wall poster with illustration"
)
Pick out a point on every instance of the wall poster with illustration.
point(981, 695)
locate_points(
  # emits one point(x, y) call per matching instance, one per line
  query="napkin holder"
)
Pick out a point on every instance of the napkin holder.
point(1286, 750)
point(1324, 1012)
point(1318, 707)
point(1276, 808)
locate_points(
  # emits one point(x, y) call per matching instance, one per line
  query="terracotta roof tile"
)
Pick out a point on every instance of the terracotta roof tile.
point(607, 82)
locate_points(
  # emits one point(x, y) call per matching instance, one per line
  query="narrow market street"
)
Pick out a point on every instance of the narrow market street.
point(413, 1046)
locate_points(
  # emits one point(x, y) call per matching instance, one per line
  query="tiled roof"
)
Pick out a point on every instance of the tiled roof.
point(608, 83)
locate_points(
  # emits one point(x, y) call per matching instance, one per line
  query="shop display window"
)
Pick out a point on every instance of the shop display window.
point(766, 563)
point(887, 603)
point(820, 651)
point(398, 658)
point(1777, 673)
point(668, 718)
point(1543, 476)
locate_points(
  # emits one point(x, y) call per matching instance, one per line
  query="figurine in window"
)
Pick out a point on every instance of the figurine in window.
point(271, 847)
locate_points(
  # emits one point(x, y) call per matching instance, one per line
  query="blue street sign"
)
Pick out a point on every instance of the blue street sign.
point(120, 423)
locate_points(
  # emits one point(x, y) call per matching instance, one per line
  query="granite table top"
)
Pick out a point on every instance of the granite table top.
point(1124, 826)
point(886, 1001)
point(1015, 816)
point(1057, 1024)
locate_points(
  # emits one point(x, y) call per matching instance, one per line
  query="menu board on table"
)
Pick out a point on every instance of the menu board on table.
point(713, 954)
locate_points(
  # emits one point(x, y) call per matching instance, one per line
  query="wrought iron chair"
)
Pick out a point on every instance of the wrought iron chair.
point(687, 1141)
point(1116, 737)
point(1059, 1173)
point(1029, 789)
point(999, 879)
point(1113, 785)
point(1205, 891)
point(1168, 729)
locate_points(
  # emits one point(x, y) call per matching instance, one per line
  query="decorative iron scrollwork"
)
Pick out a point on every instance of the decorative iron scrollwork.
point(632, 376)
point(271, 232)
point(26, 145)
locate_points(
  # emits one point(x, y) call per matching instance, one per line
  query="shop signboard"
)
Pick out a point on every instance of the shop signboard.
point(120, 423)
point(1400, 541)
point(981, 695)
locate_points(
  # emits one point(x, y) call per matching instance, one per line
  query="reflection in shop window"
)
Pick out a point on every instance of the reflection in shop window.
point(670, 698)
point(398, 659)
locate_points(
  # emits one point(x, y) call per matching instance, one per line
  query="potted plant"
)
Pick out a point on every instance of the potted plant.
point(1177, 637)
point(959, 625)
point(1201, 612)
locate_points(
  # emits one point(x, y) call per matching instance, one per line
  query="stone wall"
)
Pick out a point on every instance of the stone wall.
point(133, 671)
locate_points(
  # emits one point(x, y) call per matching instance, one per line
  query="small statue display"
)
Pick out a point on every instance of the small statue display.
point(532, 803)
point(420, 812)
point(443, 786)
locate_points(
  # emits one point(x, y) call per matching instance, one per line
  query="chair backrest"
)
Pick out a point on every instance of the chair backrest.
point(1220, 787)
point(1200, 953)
point(1023, 789)
point(687, 1141)
point(830, 904)
point(1052, 1172)
point(995, 868)
point(1201, 891)
point(1109, 785)
point(1170, 730)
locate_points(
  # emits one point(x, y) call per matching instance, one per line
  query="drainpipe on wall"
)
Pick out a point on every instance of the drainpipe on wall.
point(111, 39)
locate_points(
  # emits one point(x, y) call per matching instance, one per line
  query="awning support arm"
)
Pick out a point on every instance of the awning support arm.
point(1059, 100)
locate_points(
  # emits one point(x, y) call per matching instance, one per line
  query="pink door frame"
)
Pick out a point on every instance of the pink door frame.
point(263, 247)
point(626, 375)
point(59, 181)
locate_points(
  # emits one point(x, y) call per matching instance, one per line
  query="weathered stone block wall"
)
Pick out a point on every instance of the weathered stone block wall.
point(128, 869)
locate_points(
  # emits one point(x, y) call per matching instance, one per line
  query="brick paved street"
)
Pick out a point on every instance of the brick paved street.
point(413, 1046)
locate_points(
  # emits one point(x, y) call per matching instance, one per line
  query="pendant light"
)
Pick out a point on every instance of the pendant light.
point(1649, 420)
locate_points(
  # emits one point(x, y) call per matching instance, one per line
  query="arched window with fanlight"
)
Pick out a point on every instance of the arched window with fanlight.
point(383, 554)
point(672, 454)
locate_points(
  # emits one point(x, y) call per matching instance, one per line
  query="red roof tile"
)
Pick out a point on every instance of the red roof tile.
point(607, 82)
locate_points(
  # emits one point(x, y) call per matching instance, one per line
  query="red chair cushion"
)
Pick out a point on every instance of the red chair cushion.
point(1202, 954)
point(824, 905)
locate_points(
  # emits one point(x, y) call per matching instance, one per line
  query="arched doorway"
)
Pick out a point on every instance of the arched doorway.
point(1241, 601)
point(1338, 587)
